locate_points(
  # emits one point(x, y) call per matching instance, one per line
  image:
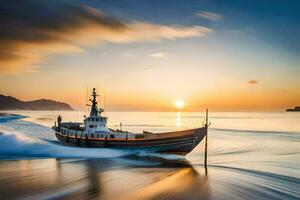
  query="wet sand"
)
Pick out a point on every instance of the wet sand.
point(101, 179)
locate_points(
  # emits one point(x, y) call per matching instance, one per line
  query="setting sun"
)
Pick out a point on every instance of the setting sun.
point(179, 104)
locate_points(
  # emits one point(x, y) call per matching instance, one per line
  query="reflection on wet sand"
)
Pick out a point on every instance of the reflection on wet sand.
point(101, 179)
point(183, 183)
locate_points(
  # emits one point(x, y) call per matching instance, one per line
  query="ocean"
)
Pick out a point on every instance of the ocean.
point(250, 156)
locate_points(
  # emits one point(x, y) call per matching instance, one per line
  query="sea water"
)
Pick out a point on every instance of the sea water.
point(250, 156)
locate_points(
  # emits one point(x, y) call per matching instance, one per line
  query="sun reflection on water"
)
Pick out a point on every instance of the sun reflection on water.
point(178, 119)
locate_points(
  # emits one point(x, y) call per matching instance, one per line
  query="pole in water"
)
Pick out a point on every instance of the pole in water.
point(205, 152)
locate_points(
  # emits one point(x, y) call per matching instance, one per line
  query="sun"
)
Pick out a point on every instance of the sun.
point(179, 104)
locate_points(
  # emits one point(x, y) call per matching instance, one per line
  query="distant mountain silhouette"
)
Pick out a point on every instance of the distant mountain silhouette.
point(11, 103)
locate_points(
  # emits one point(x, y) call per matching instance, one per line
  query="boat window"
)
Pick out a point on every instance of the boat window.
point(102, 135)
point(93, 119)
point(97, 119)
point(91, 126)
point(92, 135)
point(97, 135)
point(112, 136)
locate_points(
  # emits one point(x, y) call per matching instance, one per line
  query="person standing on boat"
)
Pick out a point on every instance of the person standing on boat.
point(59, 121)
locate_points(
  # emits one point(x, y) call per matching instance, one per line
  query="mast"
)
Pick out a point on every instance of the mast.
point(205, 152)
point(94, 110)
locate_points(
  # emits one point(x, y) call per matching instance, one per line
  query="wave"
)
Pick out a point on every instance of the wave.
point(165, 156)
point(17, 145)
point(259, 173)
point(255, 131)
point(4, 118)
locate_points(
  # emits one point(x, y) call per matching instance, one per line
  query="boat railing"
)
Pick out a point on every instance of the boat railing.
point(73, 126)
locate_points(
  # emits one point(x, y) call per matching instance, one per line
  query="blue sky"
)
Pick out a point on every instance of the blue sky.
point(274, 21)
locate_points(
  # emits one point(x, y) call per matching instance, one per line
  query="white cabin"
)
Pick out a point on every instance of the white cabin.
point(95, 124)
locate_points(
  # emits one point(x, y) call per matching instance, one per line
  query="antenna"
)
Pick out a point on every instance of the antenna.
point(104, 102)
point(86, 99)
point(97, 90)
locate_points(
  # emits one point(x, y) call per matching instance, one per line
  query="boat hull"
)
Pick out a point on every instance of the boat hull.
point(180, 142)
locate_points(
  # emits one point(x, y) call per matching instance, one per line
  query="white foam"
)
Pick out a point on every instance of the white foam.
point(21, 145)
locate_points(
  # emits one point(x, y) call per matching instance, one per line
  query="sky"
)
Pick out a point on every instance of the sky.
point(144, 55)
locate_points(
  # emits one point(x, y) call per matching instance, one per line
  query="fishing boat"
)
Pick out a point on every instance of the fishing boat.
point(94, 133)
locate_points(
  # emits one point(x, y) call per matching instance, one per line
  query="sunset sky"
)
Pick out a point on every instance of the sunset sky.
point(145, 55)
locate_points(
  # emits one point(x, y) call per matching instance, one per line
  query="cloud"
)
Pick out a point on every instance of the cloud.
point(158, 55)
point(209, 15)
point(253, 82)
point(32, 30)
point(128, 55)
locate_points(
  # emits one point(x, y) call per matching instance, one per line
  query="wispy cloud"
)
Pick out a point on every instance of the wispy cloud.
point(128, 55)
point(209, 15)
point(253, 82)
point(159, 55)
point(32, 31)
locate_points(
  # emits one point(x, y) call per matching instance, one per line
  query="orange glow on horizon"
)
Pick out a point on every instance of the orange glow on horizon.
point(129, 100)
